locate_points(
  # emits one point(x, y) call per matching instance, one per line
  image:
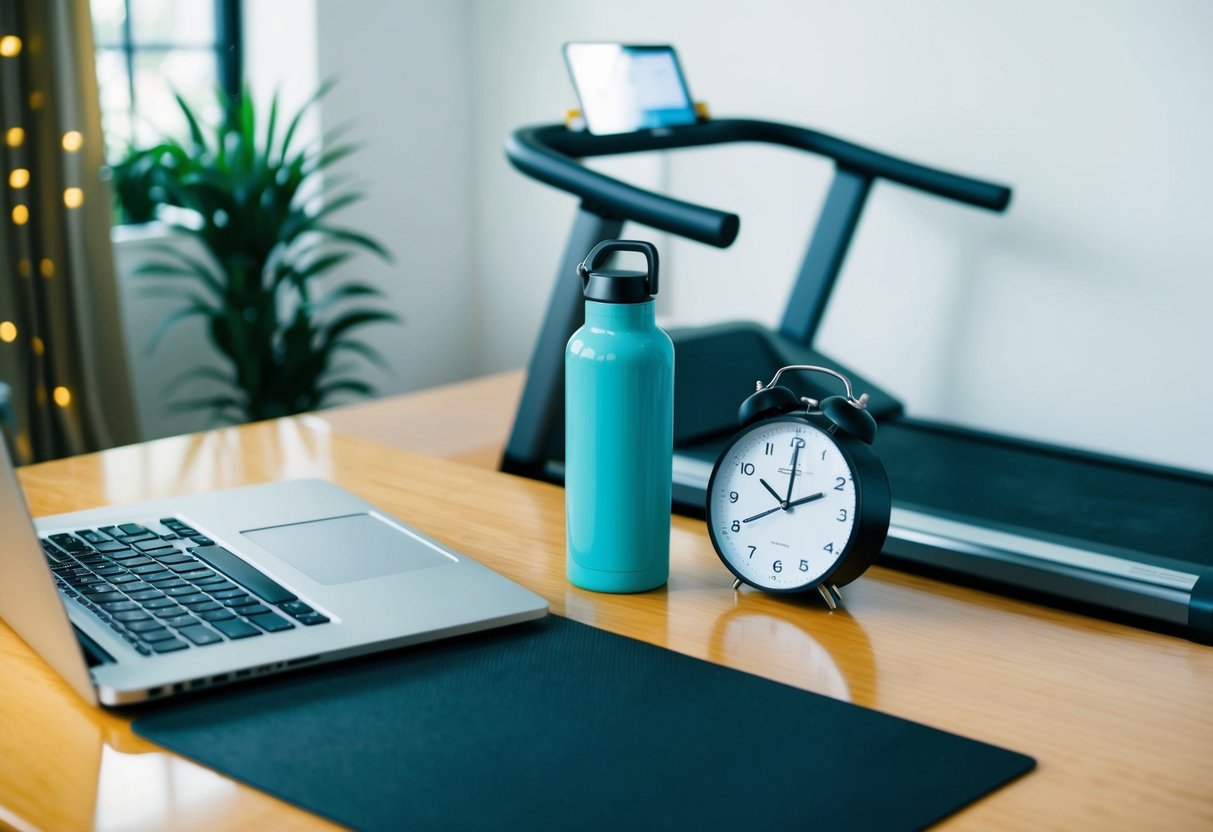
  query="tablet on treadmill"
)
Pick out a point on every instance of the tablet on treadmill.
point(628, 87)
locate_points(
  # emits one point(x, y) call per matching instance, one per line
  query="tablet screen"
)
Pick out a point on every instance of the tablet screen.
point(624, 88)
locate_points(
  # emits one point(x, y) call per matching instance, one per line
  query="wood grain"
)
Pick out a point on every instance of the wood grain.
point(1120, 720)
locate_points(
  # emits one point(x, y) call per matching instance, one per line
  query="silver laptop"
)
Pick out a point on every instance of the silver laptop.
point(145, 601)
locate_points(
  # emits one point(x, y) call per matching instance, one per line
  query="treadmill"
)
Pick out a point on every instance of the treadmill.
point(1104, 535)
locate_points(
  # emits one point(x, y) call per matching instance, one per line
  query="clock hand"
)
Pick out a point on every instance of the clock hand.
point(764, 513)
point(804, 500)
point(767, 486)
point(792, 476)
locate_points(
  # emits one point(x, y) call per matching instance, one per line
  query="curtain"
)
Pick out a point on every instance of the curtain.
point(62, 354)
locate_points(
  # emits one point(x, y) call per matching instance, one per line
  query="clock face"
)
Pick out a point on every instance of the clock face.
point(781, 505)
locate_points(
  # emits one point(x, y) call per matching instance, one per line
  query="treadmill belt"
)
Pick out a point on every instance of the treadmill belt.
point(1056, 491)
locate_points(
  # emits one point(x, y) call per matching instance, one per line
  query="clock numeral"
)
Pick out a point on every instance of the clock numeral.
point(778, 566)
point(797, 442)
point(842, 515)
point(734, 496)
point(804, 566)
point(829, 547)
point(841, 483)
point(748, 469)
point(736, 526)
point(753, 549)
point(823, 456)
point(770, 449)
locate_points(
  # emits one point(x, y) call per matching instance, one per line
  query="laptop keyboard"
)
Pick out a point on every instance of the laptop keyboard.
point(170, 590)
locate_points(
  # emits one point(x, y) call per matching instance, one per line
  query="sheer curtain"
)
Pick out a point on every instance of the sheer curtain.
point(62, 355)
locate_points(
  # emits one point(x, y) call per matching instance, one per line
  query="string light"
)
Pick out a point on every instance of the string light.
point(73, 197)
point(63, 396)
point(72, 141)
point(35, 100)
point(10, 46)
point(14, 136)
point(20, 214)
point(23, 268)
point(8, 332)
point(37, 346)
point(47, 267)
point(18, 178)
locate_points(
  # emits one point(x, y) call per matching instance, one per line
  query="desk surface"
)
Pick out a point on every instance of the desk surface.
point(1120, 720)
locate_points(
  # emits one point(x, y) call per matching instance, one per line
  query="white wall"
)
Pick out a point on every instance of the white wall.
point(1076, 317)
point(404, 73)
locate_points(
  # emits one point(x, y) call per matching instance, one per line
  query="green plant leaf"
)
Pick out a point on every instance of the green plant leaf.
point(294, 125)
point(366, 351)
point(355, 238)
point(196, 307)
point(196, 374)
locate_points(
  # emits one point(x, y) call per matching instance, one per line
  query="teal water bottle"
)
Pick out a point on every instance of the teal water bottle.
point(619, 429)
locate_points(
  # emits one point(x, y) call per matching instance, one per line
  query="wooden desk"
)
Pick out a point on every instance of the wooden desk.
point(1120, 720)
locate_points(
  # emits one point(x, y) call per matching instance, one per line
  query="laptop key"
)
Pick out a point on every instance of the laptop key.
point(150, 568)
point(216, 614)
point(214, 582)
point(250, 609)
point(149, 545)
point(182, 589)
point(165, 584)
point(311, 619)
point(193, 600)
point(131, 616)
point(156, 634)
point(144, 623)
point(225, 594)
point(207, 606)
point(186, 564)
point(202, 540)
point(99, 597)
point(177, 556)
point(132, 562)
point(244, 573)
point(200, 635)
point(125, 578)
point(195, 574)
point(271, 623)
point(295, 607)
point(146, 595)
point(106, 571)
point(179, 621)
point(119, 606)
point(239, 601)
point(92, 536)
point(169, 612)
point(169, 645)
point(158, 603)
point(235, 628)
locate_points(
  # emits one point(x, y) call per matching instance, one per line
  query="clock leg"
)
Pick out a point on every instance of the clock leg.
point(737, 584)
point(837, 592)
point(825, 594)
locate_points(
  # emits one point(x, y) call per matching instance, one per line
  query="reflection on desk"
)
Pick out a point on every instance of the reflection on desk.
point(1119, 719)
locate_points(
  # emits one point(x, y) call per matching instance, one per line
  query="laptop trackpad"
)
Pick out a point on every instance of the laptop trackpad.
point(338, 550)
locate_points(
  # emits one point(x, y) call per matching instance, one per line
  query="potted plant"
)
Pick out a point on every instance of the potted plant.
point(252, 200)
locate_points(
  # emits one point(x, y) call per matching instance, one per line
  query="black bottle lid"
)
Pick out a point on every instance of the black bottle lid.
point(619, 285)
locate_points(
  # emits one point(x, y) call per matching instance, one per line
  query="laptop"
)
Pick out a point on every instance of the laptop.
point(154, 599)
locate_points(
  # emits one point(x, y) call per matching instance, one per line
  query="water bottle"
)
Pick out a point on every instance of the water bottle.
point(619, 429)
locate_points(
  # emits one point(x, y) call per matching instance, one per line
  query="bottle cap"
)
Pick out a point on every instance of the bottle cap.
point(619, 285)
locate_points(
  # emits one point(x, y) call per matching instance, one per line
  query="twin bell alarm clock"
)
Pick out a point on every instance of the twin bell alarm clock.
point(798, 501)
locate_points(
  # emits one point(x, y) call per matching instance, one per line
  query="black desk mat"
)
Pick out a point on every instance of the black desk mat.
point(557, 725)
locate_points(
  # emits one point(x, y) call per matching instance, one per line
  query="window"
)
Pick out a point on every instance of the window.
point(147, 50)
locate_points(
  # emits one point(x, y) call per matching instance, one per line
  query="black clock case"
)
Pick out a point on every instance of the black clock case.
point(873, 502)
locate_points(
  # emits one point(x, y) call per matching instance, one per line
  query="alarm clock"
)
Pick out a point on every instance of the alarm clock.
point(798, 501)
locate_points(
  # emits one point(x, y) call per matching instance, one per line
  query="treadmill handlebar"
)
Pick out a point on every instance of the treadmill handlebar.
point(551, 153)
